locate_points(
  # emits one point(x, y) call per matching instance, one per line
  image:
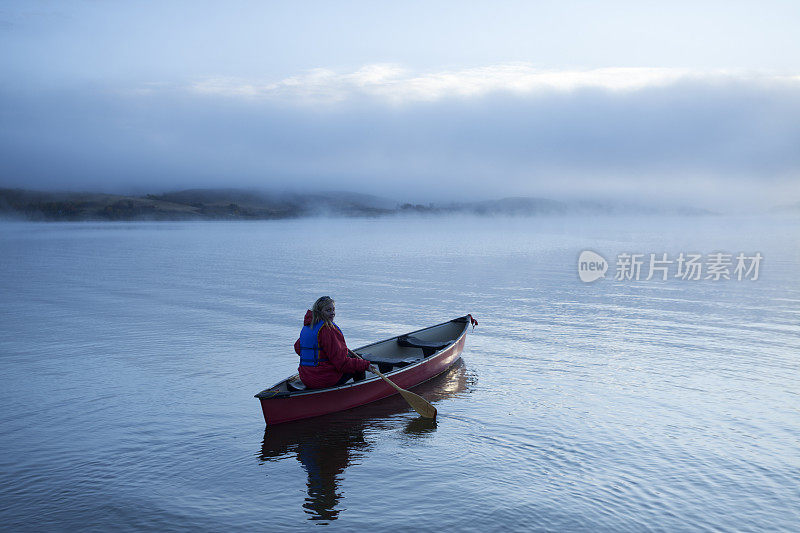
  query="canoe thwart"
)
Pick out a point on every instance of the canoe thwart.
point(428, 347)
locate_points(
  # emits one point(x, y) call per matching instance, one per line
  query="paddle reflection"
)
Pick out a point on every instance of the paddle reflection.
point(327, 445)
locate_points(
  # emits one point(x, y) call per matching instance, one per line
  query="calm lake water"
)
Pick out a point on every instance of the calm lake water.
point(130, 353)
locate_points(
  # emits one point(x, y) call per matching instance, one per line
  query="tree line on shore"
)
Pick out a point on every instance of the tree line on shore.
point(239, 204)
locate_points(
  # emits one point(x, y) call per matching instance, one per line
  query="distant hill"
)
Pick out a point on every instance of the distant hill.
point(35, 205)
point(623, 208)
point(243, 204)
point(505, 206)
point(527, 206)
point(194, 204)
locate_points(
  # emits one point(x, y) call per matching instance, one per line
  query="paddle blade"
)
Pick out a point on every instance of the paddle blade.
point(420, 404)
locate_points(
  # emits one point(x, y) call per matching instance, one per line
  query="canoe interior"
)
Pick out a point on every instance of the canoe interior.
point(391, 355)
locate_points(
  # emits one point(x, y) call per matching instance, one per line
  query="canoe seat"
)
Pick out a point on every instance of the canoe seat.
point(389, 364)
point(428, 347)
point(295, 385)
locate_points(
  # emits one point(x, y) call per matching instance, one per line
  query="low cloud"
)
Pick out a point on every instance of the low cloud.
point(397, 85)
point(702, 139)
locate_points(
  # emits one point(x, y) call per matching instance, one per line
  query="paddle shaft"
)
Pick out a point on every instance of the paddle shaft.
point(420, 404)
point(387, 380)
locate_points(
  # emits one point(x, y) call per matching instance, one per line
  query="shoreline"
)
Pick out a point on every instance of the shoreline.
point(236, 204)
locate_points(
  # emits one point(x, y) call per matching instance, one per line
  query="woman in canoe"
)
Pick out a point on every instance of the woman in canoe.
point(325, 360)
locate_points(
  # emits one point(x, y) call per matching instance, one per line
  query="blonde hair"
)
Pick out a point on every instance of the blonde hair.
point(316, 309)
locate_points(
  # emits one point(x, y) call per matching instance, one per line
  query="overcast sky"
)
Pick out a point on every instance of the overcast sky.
point(692, 102)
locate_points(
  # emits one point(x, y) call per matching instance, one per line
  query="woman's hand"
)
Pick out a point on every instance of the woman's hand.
point(373, 369)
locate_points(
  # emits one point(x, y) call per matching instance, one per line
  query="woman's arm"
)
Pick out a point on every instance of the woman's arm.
point(332, 343)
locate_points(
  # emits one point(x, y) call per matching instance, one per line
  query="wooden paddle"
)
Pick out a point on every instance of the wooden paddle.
point(420, 404)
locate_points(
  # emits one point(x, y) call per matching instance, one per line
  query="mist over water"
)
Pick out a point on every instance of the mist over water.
point(130, 352)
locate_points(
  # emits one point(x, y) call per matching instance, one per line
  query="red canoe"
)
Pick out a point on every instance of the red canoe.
point(407, 360)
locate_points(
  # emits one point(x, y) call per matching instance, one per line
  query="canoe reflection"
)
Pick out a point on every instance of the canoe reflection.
point(327, 445)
